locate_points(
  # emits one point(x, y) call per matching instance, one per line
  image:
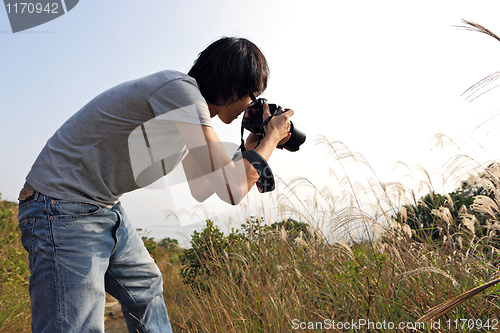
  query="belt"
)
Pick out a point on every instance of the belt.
point(26, 192)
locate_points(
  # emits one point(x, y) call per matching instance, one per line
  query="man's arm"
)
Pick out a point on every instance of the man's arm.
point(199, 185)
point(215, 171)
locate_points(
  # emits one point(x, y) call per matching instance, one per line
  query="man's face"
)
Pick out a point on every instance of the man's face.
point(228, 113)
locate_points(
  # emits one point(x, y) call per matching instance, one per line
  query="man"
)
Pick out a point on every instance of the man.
point(79, 239)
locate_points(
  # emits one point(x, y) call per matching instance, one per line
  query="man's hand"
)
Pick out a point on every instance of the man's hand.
point(278, 126)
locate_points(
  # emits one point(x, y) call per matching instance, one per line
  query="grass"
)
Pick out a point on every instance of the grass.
point(359, 260)
point(375, 269)
point(267, 287)
point(14, 274)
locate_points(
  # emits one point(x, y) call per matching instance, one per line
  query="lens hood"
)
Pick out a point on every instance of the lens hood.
point(296, 139)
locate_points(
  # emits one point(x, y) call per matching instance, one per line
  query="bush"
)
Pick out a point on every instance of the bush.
point(210, 245)
point(200, 261)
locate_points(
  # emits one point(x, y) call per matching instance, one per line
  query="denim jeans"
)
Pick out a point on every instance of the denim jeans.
point(78, 251)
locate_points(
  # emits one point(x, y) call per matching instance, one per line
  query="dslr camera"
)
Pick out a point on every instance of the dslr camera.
point(252, 121)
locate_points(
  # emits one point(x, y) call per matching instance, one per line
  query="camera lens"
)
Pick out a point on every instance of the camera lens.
point(296, 139)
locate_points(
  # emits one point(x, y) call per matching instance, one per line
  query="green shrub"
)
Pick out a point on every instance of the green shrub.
point(200, 261)
point(210, 245)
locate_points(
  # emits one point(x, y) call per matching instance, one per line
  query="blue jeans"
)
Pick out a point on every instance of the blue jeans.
point(78, 251)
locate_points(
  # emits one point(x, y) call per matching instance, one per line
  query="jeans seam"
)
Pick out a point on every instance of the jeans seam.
point(115, 230)
point(30, 224)
point(57, 276)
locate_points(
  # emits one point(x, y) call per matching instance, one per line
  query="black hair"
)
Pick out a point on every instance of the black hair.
point(230, 68)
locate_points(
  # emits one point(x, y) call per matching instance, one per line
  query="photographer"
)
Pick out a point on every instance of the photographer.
point(79, 239)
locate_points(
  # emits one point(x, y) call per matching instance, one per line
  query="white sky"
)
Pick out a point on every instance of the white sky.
point(382, 77)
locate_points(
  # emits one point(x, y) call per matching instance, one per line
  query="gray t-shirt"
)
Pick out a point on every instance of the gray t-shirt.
point(122, 140)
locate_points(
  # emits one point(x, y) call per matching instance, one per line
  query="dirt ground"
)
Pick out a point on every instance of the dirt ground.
point(113, 317)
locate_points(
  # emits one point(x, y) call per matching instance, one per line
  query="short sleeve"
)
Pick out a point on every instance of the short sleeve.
point(180, 100)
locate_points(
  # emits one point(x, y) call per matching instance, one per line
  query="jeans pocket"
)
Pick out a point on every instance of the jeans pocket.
point(71, 209)
point(27, 227)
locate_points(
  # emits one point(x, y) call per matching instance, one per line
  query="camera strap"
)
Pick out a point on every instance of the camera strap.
point(264, 123)
point(265, 183)
point(242, 145)
point(262, 131)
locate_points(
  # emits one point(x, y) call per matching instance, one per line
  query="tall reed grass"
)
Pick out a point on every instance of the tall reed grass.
point(358, 260)
point(364, 262)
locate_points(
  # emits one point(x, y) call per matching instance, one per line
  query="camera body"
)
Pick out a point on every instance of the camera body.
point(253, 121)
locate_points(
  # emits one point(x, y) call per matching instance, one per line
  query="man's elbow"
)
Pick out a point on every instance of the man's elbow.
point(232, 196)
point(200, 193)
point(199, 198)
